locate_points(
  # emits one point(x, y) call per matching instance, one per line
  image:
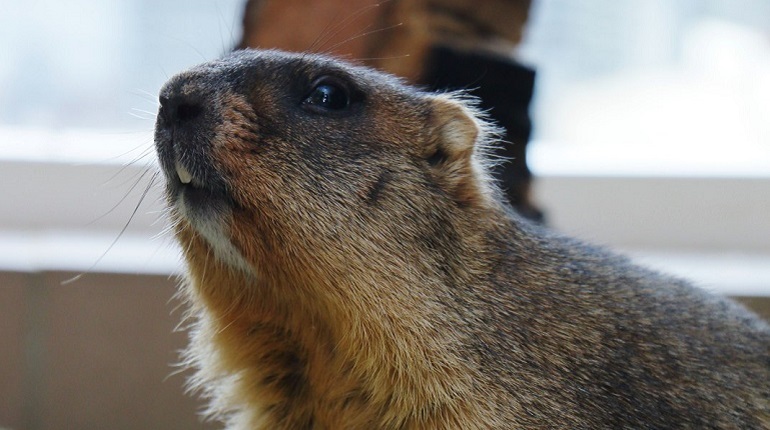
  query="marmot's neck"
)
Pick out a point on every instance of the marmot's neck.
point(355, 346)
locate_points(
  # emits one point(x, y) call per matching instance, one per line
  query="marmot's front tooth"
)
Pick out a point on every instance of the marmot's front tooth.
point(184, 174)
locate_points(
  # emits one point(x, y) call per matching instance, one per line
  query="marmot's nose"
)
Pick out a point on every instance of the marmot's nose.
point(177, 108)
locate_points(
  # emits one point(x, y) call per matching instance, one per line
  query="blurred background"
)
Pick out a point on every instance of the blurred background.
point(651, 135)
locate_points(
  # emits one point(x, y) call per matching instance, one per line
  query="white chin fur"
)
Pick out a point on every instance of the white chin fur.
point(212, 228)
point(183, 173)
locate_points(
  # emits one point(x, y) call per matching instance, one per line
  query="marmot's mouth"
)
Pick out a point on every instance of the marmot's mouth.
point(195, 190)
point(182, 177)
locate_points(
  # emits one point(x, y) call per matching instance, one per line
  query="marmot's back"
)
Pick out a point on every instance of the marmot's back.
point(620, 346)
point(351, 266)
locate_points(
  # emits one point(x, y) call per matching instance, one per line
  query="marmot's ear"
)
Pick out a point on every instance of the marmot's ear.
point(452, 151)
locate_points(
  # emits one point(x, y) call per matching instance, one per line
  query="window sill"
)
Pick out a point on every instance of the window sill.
point(65, 205)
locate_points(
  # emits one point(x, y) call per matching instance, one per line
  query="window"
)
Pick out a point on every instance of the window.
point(651, 131)
point(79, 83)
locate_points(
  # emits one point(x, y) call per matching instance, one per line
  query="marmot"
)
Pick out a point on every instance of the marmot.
point(351, 266)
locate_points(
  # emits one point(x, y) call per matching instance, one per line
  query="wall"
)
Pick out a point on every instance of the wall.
point(94, 354)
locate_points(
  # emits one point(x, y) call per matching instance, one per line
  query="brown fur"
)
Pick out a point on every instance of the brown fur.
point(356, 269)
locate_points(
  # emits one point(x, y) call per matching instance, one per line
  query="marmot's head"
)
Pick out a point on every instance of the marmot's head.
point(278, 163)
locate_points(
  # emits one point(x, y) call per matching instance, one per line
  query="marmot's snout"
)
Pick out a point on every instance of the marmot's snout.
point(186, 102)
point(184, 134)
point(180, 110)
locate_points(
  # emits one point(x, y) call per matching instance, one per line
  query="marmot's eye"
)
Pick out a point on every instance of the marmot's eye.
point(328, 94)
